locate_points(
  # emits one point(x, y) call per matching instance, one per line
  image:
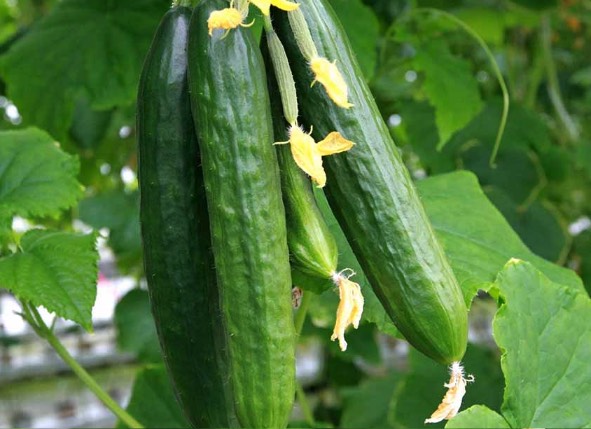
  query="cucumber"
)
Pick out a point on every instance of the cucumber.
point(312, 247)
point(373, 198)
point(175, 231)
point(247, 220)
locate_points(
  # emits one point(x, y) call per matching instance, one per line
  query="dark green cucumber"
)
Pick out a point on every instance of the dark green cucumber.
point(175, 231)
point(231, 110)
point(374, 199)
point(312, 247)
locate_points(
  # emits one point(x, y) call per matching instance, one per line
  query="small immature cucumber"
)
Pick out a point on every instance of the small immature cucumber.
point(374, 199)
point(231, 110)
point(175, 231)
point(312, 247)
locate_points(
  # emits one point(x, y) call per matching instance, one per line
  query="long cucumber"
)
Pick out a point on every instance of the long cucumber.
point(175, 231)
point(374, 199)
point(231, 110)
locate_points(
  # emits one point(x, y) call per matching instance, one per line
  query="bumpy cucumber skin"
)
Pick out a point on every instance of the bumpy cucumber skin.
point(312, 247)
point(374, 199)
point(231, 111)
point(175, 231)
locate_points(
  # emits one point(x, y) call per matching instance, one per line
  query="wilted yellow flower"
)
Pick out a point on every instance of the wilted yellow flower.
point(265, 5)
point(349, 310)
point(308, 154)
point(330, 77)
point(452, 401)
point(225, 19)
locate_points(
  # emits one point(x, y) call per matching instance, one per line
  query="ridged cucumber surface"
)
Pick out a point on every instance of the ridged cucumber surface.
point(175, 231)
point(233, 118)
point(375, 201)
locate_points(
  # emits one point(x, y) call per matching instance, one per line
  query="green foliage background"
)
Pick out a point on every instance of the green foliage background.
point(72, 67)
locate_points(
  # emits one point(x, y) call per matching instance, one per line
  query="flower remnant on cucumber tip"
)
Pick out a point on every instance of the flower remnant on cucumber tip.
point(452, 401)
point(265, 5)
point(308, 154)
point(329, 75)
point(224, 19)
point(350, 306)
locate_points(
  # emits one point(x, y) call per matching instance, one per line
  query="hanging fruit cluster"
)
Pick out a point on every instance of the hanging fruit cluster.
point(232, 137)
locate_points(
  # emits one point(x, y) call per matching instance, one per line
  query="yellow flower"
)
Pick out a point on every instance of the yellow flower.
point(225, 19)
point(330, 77)
point(308, 154)
point(452, 401)
point(349, 310)
point(265, 5)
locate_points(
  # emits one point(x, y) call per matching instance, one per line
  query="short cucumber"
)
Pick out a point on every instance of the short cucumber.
point(175, 230)
point(312, 247)
point(231, 110)
point(374, 199)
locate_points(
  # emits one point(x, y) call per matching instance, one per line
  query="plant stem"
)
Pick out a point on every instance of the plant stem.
point(185, 3)
point(303, 401)
point(34, 318)
point(302, 311)
point(494, 66)
point(553, 85)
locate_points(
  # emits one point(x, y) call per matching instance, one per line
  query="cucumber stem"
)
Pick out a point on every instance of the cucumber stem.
point(305, 405)
point(302, 312)
point(32, 316)
point(552, 85)
point(496, 71)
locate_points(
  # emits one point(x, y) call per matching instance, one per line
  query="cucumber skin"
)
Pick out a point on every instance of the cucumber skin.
point(175, 230)
point(312, 247)
point(374, 199)
point(231, 109)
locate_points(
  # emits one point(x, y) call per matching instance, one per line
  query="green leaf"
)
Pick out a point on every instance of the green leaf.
point(362, 27)
point(153, 402)
point(529, 222)
point(478, 416)
point(90, 49)
point(487, 22)
point(118, 211)
point(421, 391)
point(136, 332)
point(479, 246)
point(36, 177)
point(56, 270)
point(544, 330)
point(366, 406)
point(450, 86)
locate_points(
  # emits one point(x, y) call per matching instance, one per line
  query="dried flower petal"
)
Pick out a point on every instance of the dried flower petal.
point(305, 154)
point(225, 19)
point(334, 143)
point(349, 310)
point(330, 77)
point(452, 401)
point(265, 5)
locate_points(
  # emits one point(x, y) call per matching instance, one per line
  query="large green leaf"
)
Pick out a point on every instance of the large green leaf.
point(478, 416)
point(362, 27)
point(83, 48)
point(450, 85)
point(119, 212)
point(544, 330)
point(477, 239)
point(36, 177)
point(136, 331)
point(153, 402)
point(56, 270)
